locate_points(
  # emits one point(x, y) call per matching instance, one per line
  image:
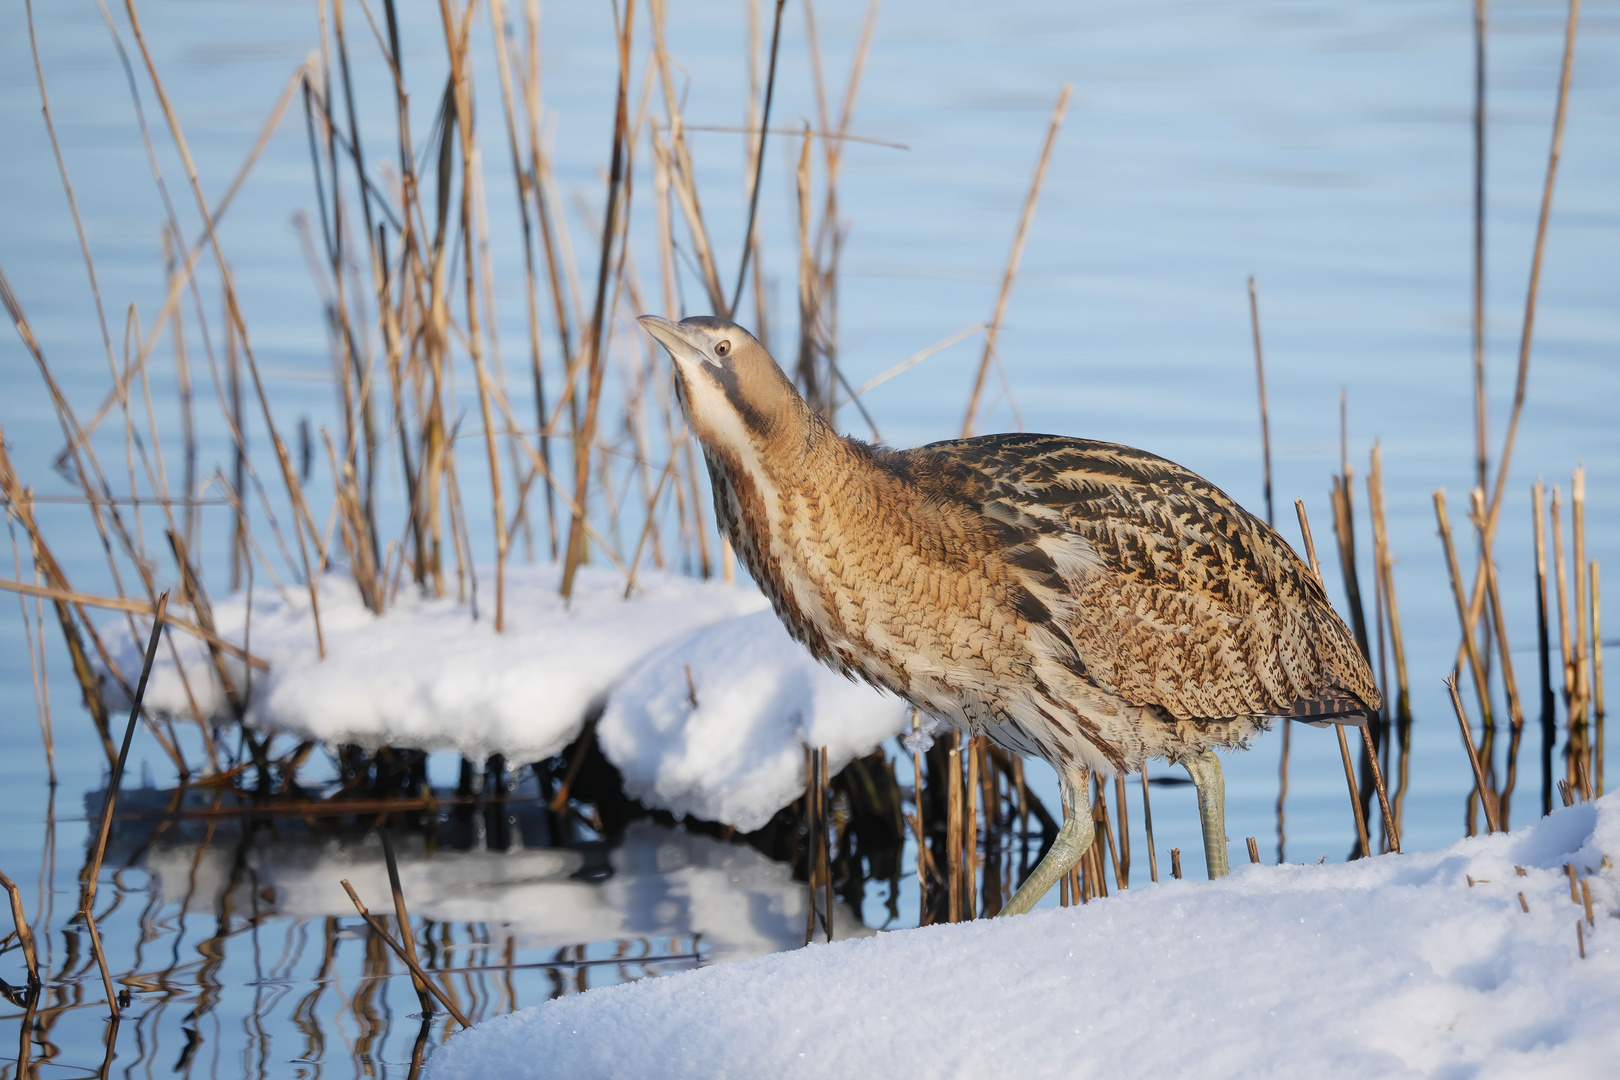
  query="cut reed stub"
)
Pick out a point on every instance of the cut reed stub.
point(1175, 863)
point(1254, 850)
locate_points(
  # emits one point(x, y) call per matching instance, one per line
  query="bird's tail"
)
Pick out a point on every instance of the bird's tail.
point(1333, 705)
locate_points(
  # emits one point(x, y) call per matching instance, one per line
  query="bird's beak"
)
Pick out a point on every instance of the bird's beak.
point(680, 342)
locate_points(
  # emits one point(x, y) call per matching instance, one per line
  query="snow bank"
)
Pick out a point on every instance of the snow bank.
point(426, 676)
point(1389, 967)
point(729, 745)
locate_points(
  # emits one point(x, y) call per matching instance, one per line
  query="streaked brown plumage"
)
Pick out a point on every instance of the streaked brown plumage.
point(1087, 603)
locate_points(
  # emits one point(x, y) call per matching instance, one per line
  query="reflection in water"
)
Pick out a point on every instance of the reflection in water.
point(249, 960)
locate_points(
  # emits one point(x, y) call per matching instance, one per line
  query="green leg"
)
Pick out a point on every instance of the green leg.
point(1205, 770)
point(1072, 842)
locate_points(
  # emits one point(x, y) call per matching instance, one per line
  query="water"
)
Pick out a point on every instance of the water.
point(1322, 147)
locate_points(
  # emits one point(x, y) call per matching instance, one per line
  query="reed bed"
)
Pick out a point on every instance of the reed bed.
point(598, 466)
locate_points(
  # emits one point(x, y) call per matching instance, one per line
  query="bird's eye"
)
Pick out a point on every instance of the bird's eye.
point(723, 349)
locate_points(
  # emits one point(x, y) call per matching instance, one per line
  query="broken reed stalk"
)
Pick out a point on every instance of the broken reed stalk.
point(403, 918)
point(586, 435)
point(1260, 379)
point(1013, 259)
point(399, 951)
point(1254, 850)
point(759, 163)
point(1486, 795)
point(24, 936)
point(1475, 665)
point(104, 827)
point(1175, 863)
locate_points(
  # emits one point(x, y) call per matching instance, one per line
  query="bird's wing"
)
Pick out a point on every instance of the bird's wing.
point(1171, 593)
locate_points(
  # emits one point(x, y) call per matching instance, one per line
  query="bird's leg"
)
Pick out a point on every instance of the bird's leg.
point(1205, 770)
point(1072, 842)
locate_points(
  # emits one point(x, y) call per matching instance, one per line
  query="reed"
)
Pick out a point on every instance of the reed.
point(1014, 257)
point(1481, 788)
point(25, 937)
point(1260, 383)
point(417, 974)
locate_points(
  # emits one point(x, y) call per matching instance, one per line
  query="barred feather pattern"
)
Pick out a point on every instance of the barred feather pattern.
point(1088, 603)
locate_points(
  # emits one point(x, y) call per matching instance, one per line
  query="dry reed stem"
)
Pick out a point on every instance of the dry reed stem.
point(811, 863)
point(399, 950)
point(1014, 257)
point(1487, 797)
point(1481, 454)
point(1577, 536)
point(1510, 684)
point(1554, 152)
point(1597, 670)
point(970, 832)
point(294, 489)
point(1338, 729)
point(953, 832)
point(1310, 545)
point(1561, 575)
point(1260, 379)
point(1254, 850)
point(1355, 796)
point(104, 828)
point(1391, 830)
point(1386, 575)
point(1464, 621)
point(24, 936)
point(136, 607)
point(759, 162)
point(586, 435)
point(1175, 863)
point(403, 918)
point(1282, 791)
point(1147, 821)
point(826, 853)
point(1123, 872)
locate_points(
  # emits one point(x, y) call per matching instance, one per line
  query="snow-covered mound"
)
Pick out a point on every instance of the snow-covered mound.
point(1389, 967)
point(426, 676)
point(729, 745)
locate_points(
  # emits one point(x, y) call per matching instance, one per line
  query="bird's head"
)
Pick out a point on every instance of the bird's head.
point(731, 389)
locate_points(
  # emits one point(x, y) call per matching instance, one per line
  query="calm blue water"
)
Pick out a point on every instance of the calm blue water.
point(1322, 147)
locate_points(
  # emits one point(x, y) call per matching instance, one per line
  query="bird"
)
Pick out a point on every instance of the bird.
point(1082, 602)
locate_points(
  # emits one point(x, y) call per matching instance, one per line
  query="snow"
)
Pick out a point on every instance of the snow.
point(729, 745)
point(1389, 967)
point(427, 676)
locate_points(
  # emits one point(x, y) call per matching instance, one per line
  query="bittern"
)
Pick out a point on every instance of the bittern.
point(1082, 602)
